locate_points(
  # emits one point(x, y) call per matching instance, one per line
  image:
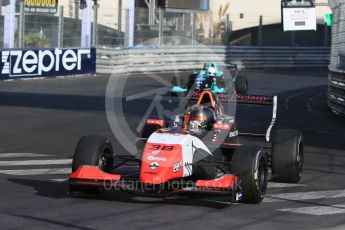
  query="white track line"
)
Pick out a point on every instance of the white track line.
point(304, 196)
point(58, 180)
point(317, 210)
point(36, 162)
point(10, 155)
point(284, 185)
point(33, 172)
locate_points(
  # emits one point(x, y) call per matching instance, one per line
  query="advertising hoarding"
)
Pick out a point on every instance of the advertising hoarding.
point(203, 5)
point(296, 18)
point(41, 6)
point(22, 63)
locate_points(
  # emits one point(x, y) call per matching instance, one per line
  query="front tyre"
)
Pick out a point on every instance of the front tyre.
point(250, 164)
point(287, 156)
point(93, 151)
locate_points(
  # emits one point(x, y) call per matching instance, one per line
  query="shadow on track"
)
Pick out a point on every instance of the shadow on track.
point(58, 190)
point(46, 221)
point(53, 101)
point(306, 109)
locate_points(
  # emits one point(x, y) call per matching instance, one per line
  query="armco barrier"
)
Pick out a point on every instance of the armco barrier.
point(191, 57)
point(24, 63)
point(336, 92)
point(336, 88)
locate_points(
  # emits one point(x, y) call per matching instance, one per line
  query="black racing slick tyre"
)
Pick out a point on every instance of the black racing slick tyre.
point(250, 164)
point(242, 85)
point(93, 151)
point(287, 156)
point(148, 130)
point(191, 80)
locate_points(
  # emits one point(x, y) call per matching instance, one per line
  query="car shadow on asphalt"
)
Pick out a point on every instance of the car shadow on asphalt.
point(47, 221)
point(59, 190)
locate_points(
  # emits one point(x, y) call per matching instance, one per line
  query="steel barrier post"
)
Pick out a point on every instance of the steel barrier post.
point(95, 24)
point(325, 41)
point(61, 27)
point(193, 15)
point(9, 25)
point(260, 31)
point(226, 30)
point(21, 32)
point(160, 29)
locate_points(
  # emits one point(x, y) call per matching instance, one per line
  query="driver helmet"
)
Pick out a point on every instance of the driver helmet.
point(199, 118)
point(211, 71)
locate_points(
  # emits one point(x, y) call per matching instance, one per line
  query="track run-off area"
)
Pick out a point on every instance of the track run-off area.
point(42, 120)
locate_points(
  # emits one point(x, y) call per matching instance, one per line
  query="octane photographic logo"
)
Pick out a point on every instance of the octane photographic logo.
point(132, 99)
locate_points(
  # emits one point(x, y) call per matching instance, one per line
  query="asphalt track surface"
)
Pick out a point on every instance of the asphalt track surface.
point(42, 120)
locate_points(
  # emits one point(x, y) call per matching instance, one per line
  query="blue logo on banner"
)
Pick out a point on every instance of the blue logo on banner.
point(20, 63)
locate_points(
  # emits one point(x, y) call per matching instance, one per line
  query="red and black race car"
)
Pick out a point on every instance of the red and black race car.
point(201, 150)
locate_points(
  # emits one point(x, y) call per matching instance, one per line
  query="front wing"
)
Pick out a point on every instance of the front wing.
point(93, 176)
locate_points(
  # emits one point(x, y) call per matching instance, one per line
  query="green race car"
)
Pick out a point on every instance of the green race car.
point(210, 78)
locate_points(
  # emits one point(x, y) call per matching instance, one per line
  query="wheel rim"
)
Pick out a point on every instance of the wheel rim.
point(103, 161)
point(262, 176)
point(300, 159)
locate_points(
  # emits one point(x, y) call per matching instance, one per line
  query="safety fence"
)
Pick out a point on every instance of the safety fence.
point(120, 61)
point(68, 24)
point(336, 89)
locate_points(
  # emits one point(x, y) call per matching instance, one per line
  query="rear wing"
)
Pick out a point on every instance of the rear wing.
point(255, 100)
point(247, 99)
point(261, 100)
point(228, 66)
point(231, 66)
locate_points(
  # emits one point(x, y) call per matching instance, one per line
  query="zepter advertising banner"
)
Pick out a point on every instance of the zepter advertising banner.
point(23, 63)
point(296, 18)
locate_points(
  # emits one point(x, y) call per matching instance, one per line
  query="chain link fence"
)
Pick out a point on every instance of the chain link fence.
point(156, 27)
point(336, 89)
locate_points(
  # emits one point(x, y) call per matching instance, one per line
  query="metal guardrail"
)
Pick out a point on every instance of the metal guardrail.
point(336, 85)
point(336, 92)
point(112, 61)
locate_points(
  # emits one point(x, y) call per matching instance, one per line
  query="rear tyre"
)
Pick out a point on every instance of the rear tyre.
point(241, 85)
point(146, 133)
point(191, 80)
point(250, 164)
point(287, 156)
point(149, 129)
point(92, 151)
